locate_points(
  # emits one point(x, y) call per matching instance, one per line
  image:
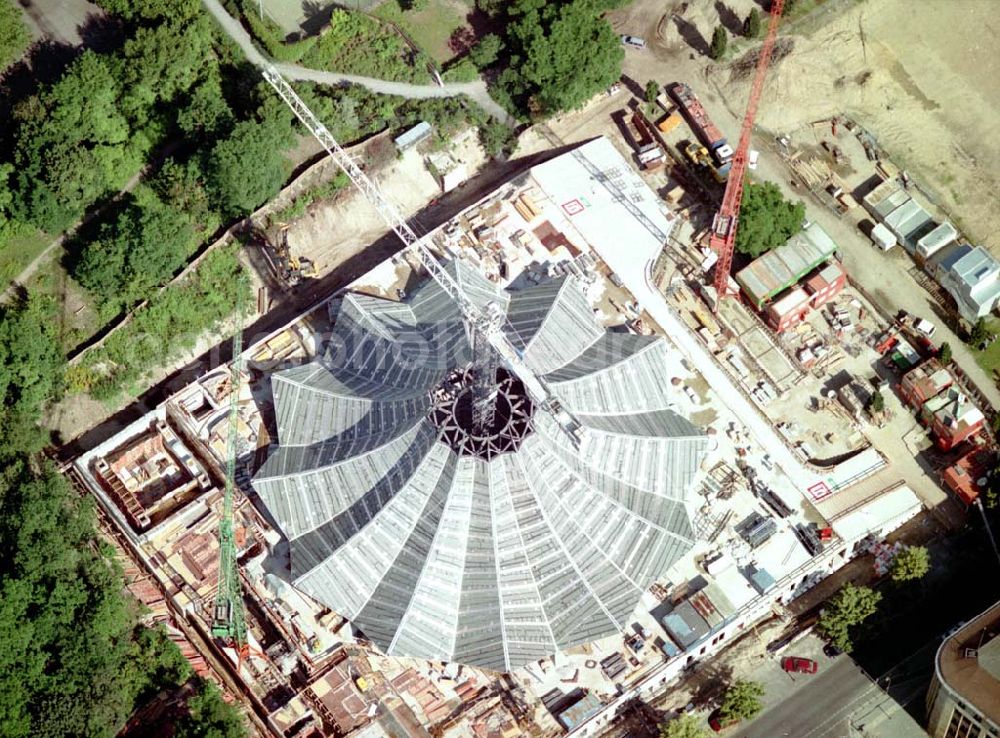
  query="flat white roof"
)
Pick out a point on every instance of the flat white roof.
point(882, 235)
point(595, 209)
point(885, 509)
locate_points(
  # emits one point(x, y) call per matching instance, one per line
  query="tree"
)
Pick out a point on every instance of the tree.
point(497, 138)
point(248, 167)
point(652, 91)
point(14, 36)
point(720, 40)
point(991, 495)
point(65, 633)
point(766, 219)
point(209, 716)
point(741, 701)
point(136, 253)
point(207, 111)
point(910, 563)
point(980, 333)
point(944, 353)
point(751, 26)
point(876, 403)
point(850, 606)
point(559, 55)
point(486, 52)
point(686, 726)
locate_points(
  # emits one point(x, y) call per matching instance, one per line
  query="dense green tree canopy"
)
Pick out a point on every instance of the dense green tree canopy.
point(31, 364)
point(850, 606)
point(249, 167)
point(135, 253)
point(751, 26)
point(14, 36)
point(64, 626)
point(766, 220)
point(910, 563)
point(741, 701)
point(559, 54)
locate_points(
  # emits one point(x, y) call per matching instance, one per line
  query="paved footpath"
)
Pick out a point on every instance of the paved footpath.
point(475, 90)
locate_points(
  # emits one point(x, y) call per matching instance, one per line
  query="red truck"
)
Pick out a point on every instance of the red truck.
point(701, 124)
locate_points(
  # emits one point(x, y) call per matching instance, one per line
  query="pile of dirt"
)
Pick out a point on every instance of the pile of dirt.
point(743, 68)
point(920, 77)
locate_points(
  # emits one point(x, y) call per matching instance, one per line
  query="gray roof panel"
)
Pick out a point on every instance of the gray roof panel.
point(494, 563)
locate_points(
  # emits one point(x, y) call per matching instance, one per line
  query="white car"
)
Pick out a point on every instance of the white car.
point(752, 159)
point(634, 42)
point(926, 327)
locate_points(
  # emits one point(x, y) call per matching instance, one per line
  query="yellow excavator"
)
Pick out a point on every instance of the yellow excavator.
point(288, 269)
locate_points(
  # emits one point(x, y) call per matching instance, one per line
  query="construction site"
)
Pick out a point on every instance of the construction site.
point(361, 470)
point(559, 449)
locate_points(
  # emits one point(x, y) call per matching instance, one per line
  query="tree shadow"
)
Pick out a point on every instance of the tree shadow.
point(633, 86)
point(44, 64)
point(317, 15)
point(729, 20)
point(102, 33)
point(691, 35)
point(710, 682)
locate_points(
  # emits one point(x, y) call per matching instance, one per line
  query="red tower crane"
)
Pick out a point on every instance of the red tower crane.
point(723, 236)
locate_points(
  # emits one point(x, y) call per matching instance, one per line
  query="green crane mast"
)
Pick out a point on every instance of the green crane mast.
point(228, 619)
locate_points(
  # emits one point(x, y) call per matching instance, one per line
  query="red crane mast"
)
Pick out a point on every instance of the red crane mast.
point(723, 236)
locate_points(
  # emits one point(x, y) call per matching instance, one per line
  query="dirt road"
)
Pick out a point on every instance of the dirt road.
point(474, 90)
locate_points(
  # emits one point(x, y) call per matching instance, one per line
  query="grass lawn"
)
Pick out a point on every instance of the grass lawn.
point(78, 317)
point(20, 251)
point(990, 358)
point(430, 28)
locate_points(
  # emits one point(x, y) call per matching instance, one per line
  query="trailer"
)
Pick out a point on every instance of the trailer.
point(700, 123)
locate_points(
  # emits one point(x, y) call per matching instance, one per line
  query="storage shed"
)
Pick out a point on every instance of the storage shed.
point(775, 271)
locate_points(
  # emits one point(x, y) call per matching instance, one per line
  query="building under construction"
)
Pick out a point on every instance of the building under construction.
point(488, 542)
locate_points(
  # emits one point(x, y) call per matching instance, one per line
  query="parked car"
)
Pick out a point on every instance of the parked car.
point(926, 327)
point(716, 723)
point(752, 159)
point(799, 665)
point(634, 41)
point(831, 650)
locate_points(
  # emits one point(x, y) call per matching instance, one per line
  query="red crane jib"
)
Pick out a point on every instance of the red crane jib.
point(723, 235)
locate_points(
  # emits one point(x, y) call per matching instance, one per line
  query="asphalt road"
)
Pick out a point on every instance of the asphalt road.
point(819, 709)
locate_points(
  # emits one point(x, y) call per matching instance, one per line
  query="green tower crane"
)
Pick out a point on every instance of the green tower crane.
point(228, 617)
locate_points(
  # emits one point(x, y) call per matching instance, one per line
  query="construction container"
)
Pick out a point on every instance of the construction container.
point(777, 270)
point(904, 222)
point(957, 420)
point(943, 235)
point(825, 284)
point(697, 118)
point(789, 310)
point(945, 258)
point(926, 381)
point(883, 237)
point(669, 122)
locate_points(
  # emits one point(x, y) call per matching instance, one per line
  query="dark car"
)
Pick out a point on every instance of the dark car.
point(831, 650)
point(716, 723)
point(799, 665)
